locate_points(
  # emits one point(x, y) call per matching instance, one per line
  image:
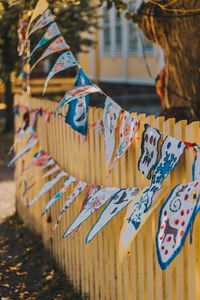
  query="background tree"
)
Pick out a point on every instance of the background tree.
point(73, 18)
point(175, 26)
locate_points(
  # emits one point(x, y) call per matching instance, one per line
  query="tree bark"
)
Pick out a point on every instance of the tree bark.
point(178, 34)
point(9, 124)
point(6, 55)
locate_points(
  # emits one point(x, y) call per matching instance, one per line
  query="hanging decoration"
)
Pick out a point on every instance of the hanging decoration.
point(27, 129)
point(76, 192)
point(128, 128)
point(56, 46)
point(40, 158)
point(40, 8)
point(51, 33)
point(32, 141)
point(43, 21)
point(171, 151)
point(117, 202)
point(176, 219)
point(96, 197)
point(41, 168)
point(51, 171)
point(69, 180)
point(110, 117)
point(70, 199)
point(78, 108)
point(196, 164)
point(49, 185)
point(78, 92)
point(149, 150)
point(65, 61)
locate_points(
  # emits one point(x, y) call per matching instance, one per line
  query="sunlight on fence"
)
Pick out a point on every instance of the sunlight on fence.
point(95, 268)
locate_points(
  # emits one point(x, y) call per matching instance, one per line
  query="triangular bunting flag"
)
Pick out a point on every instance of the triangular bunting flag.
point(69, 180)
point(149, 150)
point(49, 185)
point(94, 200)
point(128, 128)
point(51, 33)
point(32, 141)
point(171, 151)
point(51, 172)
point(115, 205)
point(78, 92)
point(78, 109)
point(40, 8)
point(110, 117)
point(65, 61)
point(76, 192)
point(56, 46)
point(43, 21)
point(176, 219)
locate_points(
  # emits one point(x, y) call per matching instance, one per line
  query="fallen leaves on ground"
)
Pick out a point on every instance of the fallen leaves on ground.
point(27, 271)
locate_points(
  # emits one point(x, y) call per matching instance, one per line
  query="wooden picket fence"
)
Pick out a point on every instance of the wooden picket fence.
point(95, 269)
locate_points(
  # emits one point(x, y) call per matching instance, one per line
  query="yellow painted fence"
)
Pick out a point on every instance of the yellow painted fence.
point(95, 269)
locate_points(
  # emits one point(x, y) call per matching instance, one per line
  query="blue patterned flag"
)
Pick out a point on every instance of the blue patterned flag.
point(78, 109)
point(171, 152)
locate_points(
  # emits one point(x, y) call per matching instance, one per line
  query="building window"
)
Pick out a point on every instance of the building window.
point(118, 33)
point(133, 38)
point(106, 32)
point(137, 42)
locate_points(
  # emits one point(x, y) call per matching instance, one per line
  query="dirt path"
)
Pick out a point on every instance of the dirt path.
point(7, 194)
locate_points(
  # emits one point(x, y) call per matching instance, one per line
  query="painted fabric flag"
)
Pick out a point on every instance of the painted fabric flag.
point(56, 46)
point(43, 21)
point(49, 163)
point(32, 141)
point(149, 150)
point(176, 219)
point(78, 92)
point(99, 127)
point(51, 33)
point(128, 128)
point(171, 151)
point(196, 164)
point(26, 128)
point(117, 202)
point(65, 61)
point(78, 109)
point(110, 117)
point(94, 200)
point(47, 187)
point(51, 172)
point(69, 180)
point(39, 159)
point(76, 192)
point(40, 8)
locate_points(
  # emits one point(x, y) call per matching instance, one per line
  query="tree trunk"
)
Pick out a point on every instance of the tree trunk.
point(9, 103)
point(178, 34)
point(6, 56)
